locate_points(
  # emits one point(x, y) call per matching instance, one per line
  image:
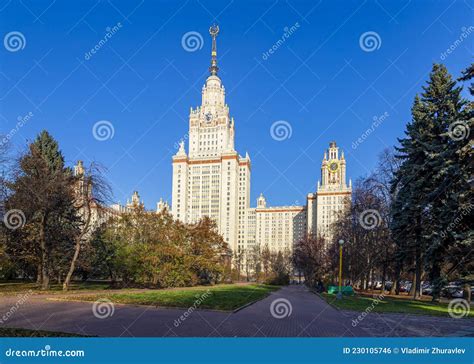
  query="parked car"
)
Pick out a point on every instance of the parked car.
point(426, 288)
point(452, 291)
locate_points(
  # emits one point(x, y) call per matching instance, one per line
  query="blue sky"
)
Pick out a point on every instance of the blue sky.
point(143, 81)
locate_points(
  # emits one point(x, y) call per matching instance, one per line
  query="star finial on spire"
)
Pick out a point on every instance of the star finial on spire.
point(213, 31)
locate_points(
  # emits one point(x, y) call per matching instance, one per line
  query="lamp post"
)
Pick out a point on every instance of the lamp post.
point(339, 294)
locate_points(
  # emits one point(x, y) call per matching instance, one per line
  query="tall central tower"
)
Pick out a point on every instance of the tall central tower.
point(212, 179)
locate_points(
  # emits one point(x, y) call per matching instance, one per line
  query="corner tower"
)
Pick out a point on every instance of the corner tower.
point(332, 194)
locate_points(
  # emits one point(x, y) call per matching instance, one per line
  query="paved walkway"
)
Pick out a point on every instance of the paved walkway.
point(292, 311)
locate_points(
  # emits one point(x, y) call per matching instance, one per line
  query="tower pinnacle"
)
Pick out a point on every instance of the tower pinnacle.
point(213, 31)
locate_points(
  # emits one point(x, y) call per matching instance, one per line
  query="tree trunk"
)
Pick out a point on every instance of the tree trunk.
point(44, 255)
point(435, 281)
point(395, 289)
point(467, 292)
point(413, 285)
point(38, 274)
point(382, 287)
point(72, 267)
point(77, 249)
point(417, 281)
point(418, 261)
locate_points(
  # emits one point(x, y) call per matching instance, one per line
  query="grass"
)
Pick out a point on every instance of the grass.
point(14, 287)
point(388, 304)
point(227, 297)
point(15, 332)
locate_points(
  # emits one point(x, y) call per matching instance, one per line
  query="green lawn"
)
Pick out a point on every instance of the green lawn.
point(14, 332)
point(226, 297)
point(388, 304)
point(9, 288)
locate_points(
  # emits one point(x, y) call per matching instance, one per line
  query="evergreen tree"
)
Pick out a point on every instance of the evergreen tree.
point(444, 107)
point(413, 183)
point(41, 189)
point(432, 179)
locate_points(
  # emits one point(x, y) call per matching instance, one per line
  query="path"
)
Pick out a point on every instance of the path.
point(292, 311)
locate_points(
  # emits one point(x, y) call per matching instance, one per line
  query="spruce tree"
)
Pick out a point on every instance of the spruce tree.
point(432, 181)
point(412, 183)
point(42, 190)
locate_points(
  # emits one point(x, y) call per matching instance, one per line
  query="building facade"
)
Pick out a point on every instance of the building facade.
point(332, 195)
point(213, 179)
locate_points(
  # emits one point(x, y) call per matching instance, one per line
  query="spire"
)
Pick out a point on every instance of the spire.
point(213, 31)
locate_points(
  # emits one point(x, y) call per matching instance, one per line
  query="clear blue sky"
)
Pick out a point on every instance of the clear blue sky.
point(143, 81)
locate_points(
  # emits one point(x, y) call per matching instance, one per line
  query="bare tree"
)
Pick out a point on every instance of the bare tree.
point(310, 258)
point(92, 192)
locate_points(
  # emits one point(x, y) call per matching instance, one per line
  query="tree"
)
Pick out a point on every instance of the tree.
point(91, 194)
point(266, 261)
point(146, 248)
point(433, 167)
point(41, 190)
point(310, 258)
point(280, 270)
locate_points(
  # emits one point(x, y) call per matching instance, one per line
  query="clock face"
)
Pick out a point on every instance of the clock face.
point(333, 166)
point(208, 116)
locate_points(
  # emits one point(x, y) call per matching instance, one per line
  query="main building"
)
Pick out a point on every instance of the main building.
point(213, 179)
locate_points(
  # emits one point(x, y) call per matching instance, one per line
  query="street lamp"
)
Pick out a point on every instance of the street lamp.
point(339, 294)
